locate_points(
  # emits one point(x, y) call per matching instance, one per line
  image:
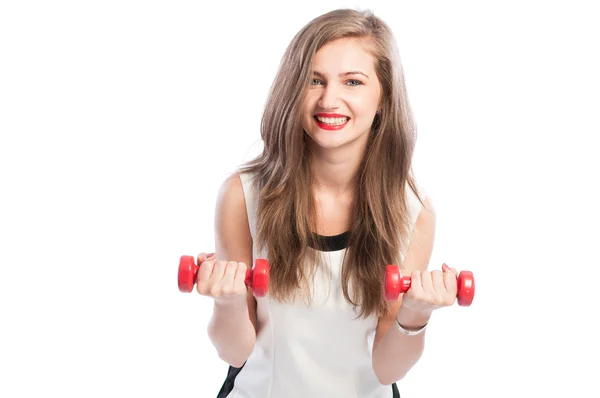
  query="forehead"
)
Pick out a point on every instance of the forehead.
point(343, 55)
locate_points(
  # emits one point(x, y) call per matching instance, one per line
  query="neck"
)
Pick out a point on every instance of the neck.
point(335, 171)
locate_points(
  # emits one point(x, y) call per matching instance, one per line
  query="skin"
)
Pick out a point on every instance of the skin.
point(336, 156)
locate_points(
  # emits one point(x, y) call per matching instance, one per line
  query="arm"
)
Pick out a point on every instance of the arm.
point(395, 353)
point(232, 328)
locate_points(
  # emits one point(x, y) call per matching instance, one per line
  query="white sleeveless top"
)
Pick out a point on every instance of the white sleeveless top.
point(317, 351)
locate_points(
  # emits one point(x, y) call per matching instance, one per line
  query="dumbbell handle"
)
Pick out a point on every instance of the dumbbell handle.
point(257, 278)
point(395, 284)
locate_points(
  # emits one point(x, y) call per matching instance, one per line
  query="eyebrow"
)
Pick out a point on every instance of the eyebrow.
point(354, 72)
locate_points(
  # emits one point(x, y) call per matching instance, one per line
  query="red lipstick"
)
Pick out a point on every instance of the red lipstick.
point(330, 127)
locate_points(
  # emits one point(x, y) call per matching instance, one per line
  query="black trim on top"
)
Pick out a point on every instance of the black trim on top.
point(333, 242)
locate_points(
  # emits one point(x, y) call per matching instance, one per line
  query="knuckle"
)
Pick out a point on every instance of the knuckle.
point(201, 288)
point(226, 291)
point(240, 289)
point(208, 265)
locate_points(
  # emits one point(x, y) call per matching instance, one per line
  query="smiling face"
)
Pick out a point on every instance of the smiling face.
point(343, 97)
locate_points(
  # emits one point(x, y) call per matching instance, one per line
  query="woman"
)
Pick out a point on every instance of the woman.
point(329, 202)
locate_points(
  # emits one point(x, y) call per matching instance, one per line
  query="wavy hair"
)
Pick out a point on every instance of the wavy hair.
point(286, 213)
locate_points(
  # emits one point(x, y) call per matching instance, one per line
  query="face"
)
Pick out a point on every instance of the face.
point(343, 95)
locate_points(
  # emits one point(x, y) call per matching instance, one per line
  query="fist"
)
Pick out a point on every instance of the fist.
point(222, 280)
point(430, 290)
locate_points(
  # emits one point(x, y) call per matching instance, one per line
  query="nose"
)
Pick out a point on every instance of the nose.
point(330, 98)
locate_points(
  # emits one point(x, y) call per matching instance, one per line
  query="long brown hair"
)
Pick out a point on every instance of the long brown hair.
point(286, 211)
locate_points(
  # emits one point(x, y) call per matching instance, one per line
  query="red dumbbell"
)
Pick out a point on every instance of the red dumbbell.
point(257, 278)
point(395, 284)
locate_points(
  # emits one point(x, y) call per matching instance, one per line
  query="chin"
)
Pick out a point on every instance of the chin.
point(335, 144)
point(336, 139)
point(327, 139)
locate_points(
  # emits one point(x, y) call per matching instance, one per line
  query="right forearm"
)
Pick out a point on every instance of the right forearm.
point(232, 333)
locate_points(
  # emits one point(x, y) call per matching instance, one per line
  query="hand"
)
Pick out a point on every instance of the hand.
point(222, 280)
point(431, 290)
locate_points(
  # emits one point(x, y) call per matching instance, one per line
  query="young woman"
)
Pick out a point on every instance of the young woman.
point(330, 203)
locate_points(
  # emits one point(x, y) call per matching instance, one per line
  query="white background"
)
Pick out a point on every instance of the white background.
point(120, 119)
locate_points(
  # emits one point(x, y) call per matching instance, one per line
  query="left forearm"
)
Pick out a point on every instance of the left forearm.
point(396, 353)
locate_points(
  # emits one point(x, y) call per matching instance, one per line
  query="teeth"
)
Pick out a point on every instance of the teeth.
point(332, 120)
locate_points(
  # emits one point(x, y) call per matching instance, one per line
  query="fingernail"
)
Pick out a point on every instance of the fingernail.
point(445, 267)
point(210, 255)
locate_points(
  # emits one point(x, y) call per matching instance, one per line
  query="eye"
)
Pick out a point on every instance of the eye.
point(354, 82)
point(315, 81)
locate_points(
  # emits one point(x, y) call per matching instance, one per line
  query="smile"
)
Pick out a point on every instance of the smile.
point(331, 123)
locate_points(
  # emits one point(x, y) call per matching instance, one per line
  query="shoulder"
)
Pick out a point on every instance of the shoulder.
point(240, 183)
point(426, 219)
point(422, 211)
point(231, 189)
point(237, 200)
point(231, 199)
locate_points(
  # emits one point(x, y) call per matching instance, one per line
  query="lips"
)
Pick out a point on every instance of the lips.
point(331, 121)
